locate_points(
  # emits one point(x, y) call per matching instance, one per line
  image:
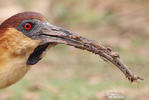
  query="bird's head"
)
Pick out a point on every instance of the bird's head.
point(31, 30)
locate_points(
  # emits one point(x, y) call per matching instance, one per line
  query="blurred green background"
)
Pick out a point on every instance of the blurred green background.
point(67, 73)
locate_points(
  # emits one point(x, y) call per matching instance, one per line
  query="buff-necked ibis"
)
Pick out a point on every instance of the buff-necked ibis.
point(27, 36)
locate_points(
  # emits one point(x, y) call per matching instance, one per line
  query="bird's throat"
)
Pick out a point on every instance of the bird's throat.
point(35, 55)
point(38, 53)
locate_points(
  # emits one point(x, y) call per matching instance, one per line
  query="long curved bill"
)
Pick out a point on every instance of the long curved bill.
point(58, 35)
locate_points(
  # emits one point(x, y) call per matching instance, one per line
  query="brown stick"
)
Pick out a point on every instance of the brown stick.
point(73, 39)
point(106, 53)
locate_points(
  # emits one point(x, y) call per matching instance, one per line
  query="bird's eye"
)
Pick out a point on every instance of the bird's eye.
point(27, 26)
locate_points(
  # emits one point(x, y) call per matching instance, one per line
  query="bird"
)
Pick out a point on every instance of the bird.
point(20, 46)
point(26, 37)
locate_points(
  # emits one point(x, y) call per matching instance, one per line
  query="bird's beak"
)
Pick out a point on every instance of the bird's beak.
point(55, 34)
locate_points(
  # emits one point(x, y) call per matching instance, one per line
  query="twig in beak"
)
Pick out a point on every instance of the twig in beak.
point(62, 36)
point(108, 54)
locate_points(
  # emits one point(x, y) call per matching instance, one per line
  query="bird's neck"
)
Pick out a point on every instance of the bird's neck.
point(12, 47)
point(17, 46)
point(14, 53)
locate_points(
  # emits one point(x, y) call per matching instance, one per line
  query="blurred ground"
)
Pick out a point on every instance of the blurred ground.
point(67, 73)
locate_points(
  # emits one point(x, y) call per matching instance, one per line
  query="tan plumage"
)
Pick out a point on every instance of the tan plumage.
point(15, 49)
point(14, 53)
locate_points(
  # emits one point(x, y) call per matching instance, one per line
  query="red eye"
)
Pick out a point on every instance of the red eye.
point(27, 26)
